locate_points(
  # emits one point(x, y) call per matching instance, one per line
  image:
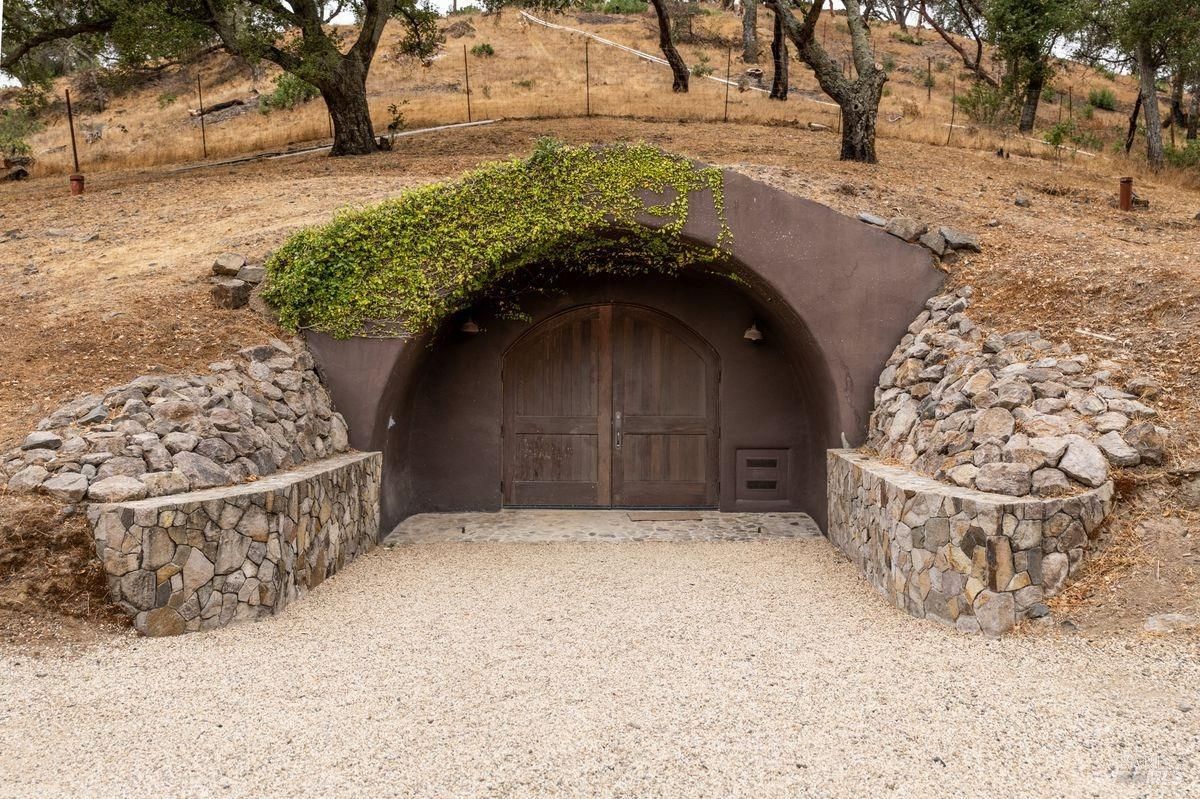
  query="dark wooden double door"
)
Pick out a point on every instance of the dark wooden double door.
point(610, 406)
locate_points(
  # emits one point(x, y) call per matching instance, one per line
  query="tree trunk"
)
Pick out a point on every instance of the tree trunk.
point(750, 32)
point(679, 69)
point(1033, 95)
point(779, 57)
point(1154, 139)
point(1176, 116)
point(1194, 113)
point(859, 116)
point(345, 95)
point(1133, 118)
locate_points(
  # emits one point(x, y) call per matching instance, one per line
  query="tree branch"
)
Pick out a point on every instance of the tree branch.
point(102, 24)
point(975, 66)
point(373, 22)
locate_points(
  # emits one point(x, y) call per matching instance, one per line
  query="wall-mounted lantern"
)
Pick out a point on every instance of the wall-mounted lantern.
point(469, 327)
point(753, 333)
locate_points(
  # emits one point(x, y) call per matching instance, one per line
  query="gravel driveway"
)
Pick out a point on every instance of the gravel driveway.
point(705, 669)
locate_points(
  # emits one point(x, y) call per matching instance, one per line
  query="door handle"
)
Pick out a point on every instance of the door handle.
point(617, 427)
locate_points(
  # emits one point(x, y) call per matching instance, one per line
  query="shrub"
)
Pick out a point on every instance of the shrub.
point(702, 68)
point(1187, 157)
point(1105, 72)
point(16, 126)
point(483, 50)
point(625, 7)
point(984, 104)
point(889, 62)
point(290, 91)
point(401, 266)
point(166, 98)
point(1103, 99)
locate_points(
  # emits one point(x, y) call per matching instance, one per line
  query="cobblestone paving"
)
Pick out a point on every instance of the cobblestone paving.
point(558, 526)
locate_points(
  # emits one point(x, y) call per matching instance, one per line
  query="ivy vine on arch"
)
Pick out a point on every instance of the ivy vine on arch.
point(403, 265)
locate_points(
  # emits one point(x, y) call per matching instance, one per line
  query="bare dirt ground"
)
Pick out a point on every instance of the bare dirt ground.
point(79, 314)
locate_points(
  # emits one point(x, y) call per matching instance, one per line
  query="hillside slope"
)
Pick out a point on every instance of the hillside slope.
point(537, 71)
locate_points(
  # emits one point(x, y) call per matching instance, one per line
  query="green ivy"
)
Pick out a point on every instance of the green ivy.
point(402, 266)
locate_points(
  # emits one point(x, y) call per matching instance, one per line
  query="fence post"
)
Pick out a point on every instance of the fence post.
point(76, 177)
point(928, 76)
point(587, 75)
point(728, 72)
point(1071, 102)
point(953, 106)
point(203, 132)
point(467, 80)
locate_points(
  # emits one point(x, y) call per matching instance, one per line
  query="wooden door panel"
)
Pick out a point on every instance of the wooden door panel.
point(665, 411)
point(610, 405)
point(557, 412)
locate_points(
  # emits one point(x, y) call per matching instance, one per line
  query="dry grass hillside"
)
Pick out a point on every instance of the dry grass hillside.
point(79, 312)
point(539, 72)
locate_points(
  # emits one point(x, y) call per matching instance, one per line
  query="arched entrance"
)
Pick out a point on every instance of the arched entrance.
point(610, 405)
point(832, 295)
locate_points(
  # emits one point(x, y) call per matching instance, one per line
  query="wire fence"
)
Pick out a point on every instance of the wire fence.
point(561, 72)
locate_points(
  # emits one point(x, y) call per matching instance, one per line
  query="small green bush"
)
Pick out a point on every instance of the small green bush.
point(401, 266)
point(1105, 72)
point(624, 7)
point(889, 62)
point(167, 98)
point(16, 126)
point(290, 91)
point(1187, 157)
point(1103, 99)
point(483, 50)
point(984, 104)
point(702, 68)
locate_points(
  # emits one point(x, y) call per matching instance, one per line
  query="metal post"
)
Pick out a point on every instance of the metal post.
point(953, 106)
point(203, 132)
point(1070, 102)
point(587, 75)
point(71, 124)
point(928, 77)
point(76, 176)
point(467, 79)
point(1125, 197)
point(728, 72)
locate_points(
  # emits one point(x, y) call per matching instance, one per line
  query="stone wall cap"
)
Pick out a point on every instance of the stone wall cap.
point(260, 486)
point(906, 478)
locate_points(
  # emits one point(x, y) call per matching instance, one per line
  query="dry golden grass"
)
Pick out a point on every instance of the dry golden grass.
point(538, 73)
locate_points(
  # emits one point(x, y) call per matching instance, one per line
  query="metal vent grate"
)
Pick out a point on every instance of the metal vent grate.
point(762, 476)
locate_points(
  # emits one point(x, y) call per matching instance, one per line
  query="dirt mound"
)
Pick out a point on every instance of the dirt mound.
point(49, 574)
point(459, 29)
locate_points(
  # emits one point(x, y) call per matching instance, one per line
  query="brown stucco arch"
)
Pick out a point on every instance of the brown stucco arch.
point(839, 295)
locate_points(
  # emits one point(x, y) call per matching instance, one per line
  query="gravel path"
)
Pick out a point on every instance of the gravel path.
point(639, 670)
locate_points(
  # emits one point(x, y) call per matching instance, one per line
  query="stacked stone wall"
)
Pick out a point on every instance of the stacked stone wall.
point(200, 560)
point(978, 561)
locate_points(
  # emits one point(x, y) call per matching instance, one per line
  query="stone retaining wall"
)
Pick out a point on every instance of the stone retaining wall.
point(199, 560)
point(977, 561)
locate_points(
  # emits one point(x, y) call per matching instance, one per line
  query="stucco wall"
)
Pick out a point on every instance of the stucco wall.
point(978, 561)
point(200, 560)
point(843, 292)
